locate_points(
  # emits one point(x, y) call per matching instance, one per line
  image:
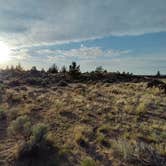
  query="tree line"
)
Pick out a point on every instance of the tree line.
point(72, 69)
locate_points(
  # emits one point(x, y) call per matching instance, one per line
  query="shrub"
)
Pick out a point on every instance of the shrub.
point(21, 127)
point(2, 86)
point(37, 81)
point(62, 83)
point(14, 83)
point(99, 69)
point(2, 114)
point(104, 129)
point(53, 69)
point(88, 162)
point(19, 67)
point(13, 98)
point(123, 149)
point(74, 70)
point(63, 69)
point(44, 82)
point(12, 114)
point(103, 141)
point(34, 81)
point(137, 153)
point(141, 109)
point(39, 133)
point(80, 133)
point(158, 74)
point(34, 69)
point(38, 149)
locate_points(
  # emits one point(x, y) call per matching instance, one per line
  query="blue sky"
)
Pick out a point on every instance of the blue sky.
point(124, 35)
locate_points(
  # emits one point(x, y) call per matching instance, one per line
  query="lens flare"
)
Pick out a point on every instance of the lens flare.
point(4, 53)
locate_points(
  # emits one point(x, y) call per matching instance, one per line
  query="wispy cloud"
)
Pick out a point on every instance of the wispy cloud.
point(91, 57)
point(58, 56)
point(20, 54)
point(81, 53)
point(36, 29)
point(33, 22)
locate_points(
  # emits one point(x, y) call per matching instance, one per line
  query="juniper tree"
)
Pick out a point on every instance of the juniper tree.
point(74, 70)
point(53, 69)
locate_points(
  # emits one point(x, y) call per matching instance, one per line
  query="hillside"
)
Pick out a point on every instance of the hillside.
point(87, 123)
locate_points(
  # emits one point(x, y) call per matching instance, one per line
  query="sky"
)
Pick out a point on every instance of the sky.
point(120, 35)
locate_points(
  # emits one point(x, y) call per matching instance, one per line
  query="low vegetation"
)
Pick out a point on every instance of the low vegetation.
point(2, 114)
point(66, 121)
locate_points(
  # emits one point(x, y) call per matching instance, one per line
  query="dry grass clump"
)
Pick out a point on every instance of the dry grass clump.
point(101, 139)
point(141, 109)
point(34, 148)
point(39, 133)
point(101, 135)
point(12, 114)
point(2, 114)
point(137, 153)
point(13, 98)
point(21, 127)
point(91, 124)
point(88, 162)
point(81, 133)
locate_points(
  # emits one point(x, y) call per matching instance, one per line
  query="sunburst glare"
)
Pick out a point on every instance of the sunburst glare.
point(5, 53)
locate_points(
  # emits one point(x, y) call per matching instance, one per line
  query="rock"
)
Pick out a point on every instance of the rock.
point(62, 83)
point(158, 84)
point(24, 88)
point(155, 83)
point(14, 83)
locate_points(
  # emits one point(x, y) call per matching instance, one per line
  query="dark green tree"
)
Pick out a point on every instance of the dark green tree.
point(99, 69)
point(19, 67)
point(63, 69)
point(74, 70)
point(43, 70)
point(12, 68)
point(53, 69)
point(158, 74)
point(34, 69)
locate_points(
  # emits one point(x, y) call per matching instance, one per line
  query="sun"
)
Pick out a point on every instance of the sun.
point(4, 53)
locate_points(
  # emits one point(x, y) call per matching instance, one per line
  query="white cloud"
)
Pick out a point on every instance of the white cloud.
point(81, 53)
point(91, 57)
point(41, 22)
point(20, 54)
point(58, 56)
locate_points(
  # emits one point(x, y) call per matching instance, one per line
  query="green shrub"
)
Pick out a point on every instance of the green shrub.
point(2, 114)
point(12, 114)
point(123, 149)
point(53, 69)
point(2, 86)
point(99, 69)
point(21, 127)
point(88, 162)
point(39, 133)
point(38, 149)
point(14, 98)
point(34, 81)
point(141, 109)
point(34, 69)
point(103, 141)
point(63, 69)
point(74, 70)
point(80, 135)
